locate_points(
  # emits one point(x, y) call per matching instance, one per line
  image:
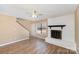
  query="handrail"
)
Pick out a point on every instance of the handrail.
point(22, 26)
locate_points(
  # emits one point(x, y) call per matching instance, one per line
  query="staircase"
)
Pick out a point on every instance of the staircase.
point(30, 26)
point(26, 24)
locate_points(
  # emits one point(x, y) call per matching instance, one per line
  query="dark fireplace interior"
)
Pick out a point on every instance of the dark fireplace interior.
point(56, 34)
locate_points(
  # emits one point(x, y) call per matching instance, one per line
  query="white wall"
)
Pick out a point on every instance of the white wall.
point(68, 39)
point(10, 30)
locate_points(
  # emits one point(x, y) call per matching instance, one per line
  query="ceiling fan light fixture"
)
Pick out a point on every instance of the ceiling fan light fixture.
point(34, 15)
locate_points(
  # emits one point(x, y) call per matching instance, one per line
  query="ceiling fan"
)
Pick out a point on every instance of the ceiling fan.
point(35, 14)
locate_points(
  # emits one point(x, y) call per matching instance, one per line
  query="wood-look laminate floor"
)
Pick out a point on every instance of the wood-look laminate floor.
point(34, 46)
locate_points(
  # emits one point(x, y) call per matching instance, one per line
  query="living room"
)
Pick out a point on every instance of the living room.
point(48, 27)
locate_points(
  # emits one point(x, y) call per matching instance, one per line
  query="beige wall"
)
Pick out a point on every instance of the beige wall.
point(77, 28)
point(10, 30)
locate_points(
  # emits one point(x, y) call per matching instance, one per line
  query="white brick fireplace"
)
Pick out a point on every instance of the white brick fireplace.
point(68, 32)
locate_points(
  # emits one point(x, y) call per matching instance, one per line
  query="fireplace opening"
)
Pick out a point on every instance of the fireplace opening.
point(56, 34)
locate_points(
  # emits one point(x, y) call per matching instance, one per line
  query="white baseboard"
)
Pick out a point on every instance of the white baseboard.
point(12, 42)
point(62, 43)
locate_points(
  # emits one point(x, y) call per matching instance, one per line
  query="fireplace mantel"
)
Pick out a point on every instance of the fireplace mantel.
point(56, 26)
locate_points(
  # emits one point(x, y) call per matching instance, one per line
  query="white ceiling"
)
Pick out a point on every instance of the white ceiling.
point(49, 10)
